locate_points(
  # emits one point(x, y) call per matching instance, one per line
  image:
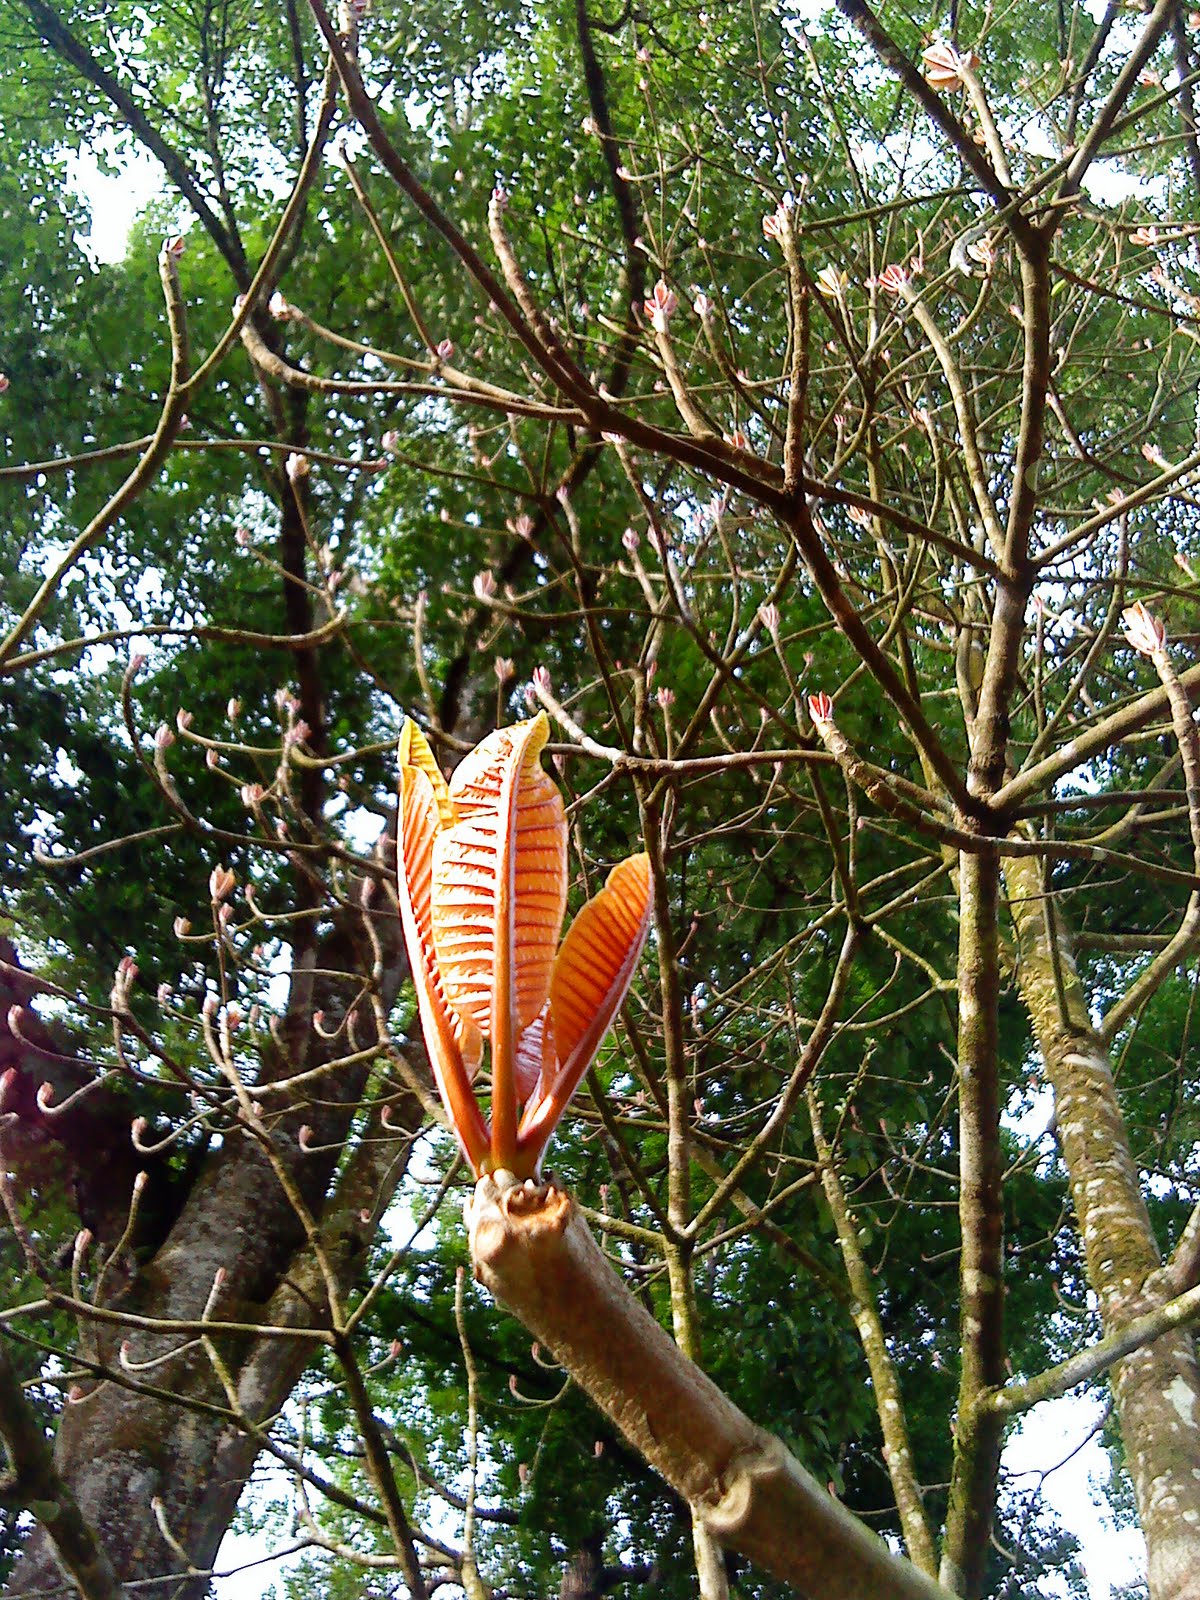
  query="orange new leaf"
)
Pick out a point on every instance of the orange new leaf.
point(454, 1043)
point(590, 980)
point(483, 888)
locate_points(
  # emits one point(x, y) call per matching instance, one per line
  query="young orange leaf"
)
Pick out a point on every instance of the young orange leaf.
point(591, 977)
point(516, 833)
point(454, 1043)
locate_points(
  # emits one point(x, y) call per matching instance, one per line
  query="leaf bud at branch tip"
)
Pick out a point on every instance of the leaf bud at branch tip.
point(221, 882)
point(820, 709)
point(1145, 632)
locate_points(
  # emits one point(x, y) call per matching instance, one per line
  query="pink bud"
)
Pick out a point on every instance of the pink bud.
point(3, 382)
point(175, 246)
point(768, 615)
point(182, 927)
point(484, 585)
point(945, 68)
point(893, 279)
point(820, 708)
point(296, 466)
point(305, 1137)
point(665, 697)
point(45, 1096)
point(541, 680)
point(661, 306)
point(212, 759)
point(445, 349)
point(163, 737)
point(163, 993)
point(252, 794)
point(503, 668)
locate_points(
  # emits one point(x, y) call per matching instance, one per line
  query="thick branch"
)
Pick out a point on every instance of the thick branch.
point(531, 1248)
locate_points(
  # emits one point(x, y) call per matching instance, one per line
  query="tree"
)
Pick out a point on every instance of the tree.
point(797, 413)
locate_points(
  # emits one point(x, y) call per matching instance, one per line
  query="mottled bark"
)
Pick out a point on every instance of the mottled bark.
point(1156, 1390)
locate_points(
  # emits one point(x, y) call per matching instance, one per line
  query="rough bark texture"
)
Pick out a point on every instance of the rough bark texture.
point(1157, 1389)
point(118, 1449)
point(532, 1250)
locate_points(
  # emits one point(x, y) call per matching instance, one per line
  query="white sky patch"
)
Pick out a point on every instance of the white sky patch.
point(115, 202)
point(1047, 1437)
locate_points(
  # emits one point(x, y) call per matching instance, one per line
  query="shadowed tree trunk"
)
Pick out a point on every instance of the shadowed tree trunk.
point(124, 1450)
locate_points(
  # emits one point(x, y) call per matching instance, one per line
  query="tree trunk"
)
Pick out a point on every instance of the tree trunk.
point(1157, 1389)
point(120, 1450)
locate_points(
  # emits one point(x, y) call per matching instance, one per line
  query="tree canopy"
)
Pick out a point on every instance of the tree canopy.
point(798, 407)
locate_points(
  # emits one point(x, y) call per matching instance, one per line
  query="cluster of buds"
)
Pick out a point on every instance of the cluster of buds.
point(894, 279)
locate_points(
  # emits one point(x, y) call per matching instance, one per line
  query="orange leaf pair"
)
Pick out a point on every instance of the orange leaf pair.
point(483, 889)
